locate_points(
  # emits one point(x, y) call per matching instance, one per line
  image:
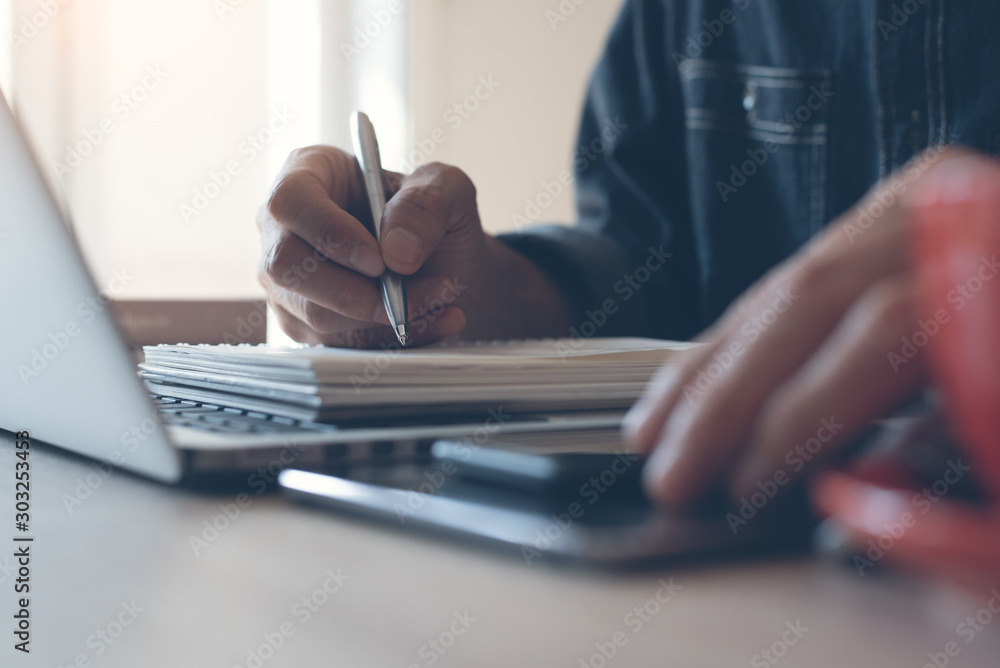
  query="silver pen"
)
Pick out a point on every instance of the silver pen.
point(366, 150)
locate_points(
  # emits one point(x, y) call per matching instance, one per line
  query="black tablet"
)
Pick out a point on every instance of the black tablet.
point(546, 506)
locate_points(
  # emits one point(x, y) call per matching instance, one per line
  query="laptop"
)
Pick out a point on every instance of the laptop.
point(68, 379)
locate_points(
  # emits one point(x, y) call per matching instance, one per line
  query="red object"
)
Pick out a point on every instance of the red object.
point(956, 251)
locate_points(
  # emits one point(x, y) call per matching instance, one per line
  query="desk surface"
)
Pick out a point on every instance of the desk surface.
point(121, 565)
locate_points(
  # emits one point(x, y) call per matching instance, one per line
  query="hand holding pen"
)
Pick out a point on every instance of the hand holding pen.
point(322, 265)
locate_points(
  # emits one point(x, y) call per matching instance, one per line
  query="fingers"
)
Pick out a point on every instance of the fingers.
point(323, 310)
point(307, 201)
point(701, 416)
point(857, 375)
point(722, 397)
point(320, 256)
point(707, 412)
point(644, 423)
point(292, 264)
point(643, 426)
point(436, 199)
point(430, 327)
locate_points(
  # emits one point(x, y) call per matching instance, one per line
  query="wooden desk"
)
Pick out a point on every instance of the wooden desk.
point(128, 544)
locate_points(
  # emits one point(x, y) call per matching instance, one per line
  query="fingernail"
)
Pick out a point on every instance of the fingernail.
point(657, 468)
point(633, 423)
point(366, 260)
point(403, 245)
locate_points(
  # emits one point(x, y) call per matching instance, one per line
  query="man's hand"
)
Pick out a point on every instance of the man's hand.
point(320, 260)
point(802, 362)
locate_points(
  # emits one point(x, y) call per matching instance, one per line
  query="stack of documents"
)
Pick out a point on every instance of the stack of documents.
point(322, 384)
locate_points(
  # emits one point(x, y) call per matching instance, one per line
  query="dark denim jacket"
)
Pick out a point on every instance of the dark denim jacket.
point(725, 133)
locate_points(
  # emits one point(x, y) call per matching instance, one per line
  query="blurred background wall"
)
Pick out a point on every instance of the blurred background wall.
point(524, 133)
point(164, 123)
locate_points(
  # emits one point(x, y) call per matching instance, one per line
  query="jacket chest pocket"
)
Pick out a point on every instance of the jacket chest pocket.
point(757, 149)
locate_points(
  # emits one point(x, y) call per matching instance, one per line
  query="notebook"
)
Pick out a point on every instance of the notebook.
point(321, 384)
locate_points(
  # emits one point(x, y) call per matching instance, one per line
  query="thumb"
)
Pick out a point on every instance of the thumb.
point(433, 201)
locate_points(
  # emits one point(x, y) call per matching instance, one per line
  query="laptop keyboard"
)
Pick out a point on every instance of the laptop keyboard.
point(227, 420)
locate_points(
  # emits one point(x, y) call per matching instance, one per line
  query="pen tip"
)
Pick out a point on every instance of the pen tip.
point(402, 335)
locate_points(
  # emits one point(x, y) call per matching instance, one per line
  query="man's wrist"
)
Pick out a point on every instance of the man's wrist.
point(512, 298)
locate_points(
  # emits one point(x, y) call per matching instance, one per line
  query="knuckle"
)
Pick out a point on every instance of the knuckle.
point(307, 155)
point(262, 218)
point(445, 172)
point(354, 303)
point(297, 156)
point(886, 306)
point(282, 198)
point(319, 319)
point(452, 174)
point(331, 244)
point(262, 276)
point(279, 260)
point(423, 199)
point(813, 277)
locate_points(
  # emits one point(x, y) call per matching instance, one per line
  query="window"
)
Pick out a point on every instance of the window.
point(164, 123)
